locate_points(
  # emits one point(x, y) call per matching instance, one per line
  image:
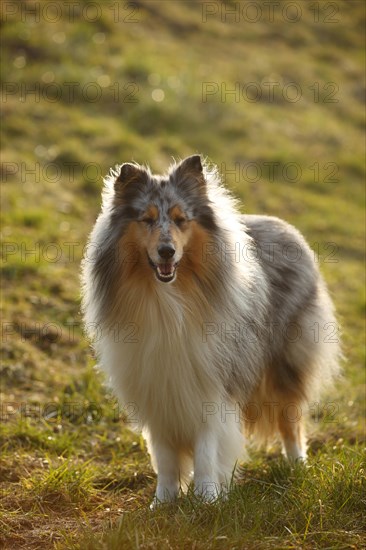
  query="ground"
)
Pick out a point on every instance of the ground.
point(276, 99)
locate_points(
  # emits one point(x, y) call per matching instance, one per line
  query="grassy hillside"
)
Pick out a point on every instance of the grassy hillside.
point(276, 99)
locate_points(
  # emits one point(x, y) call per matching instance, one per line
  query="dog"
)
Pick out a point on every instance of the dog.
point(224, 323)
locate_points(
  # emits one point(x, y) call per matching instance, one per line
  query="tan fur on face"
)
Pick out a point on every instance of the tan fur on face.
point(152, 212)
point(144, 239)
point(131, 267)
point(190, 241)
point(193, 259)
point(193, 270)
point(132, 252)
point(176, 214)
point(179, 235)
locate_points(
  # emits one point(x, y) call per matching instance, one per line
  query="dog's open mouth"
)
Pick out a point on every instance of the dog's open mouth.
point(164, 272)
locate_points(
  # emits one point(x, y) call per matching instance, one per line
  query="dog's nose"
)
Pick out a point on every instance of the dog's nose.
point(166, 251)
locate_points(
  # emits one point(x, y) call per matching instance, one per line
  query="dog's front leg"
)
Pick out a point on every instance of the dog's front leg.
point(206, 479)
point(166, 463)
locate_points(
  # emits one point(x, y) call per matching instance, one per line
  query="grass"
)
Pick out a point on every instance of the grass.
point(72, 474)
point(275, 506)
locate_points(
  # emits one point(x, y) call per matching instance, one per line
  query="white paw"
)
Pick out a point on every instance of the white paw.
point(208, 491)
point(154, 504)
point(163, 495)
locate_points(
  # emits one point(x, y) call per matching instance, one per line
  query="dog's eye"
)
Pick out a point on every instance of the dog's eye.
point(179, 221)
point(148, 221)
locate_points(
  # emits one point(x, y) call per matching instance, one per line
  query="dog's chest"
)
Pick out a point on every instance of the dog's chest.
point(168, 370)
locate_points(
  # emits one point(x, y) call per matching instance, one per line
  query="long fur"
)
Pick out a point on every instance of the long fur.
point(234, 332)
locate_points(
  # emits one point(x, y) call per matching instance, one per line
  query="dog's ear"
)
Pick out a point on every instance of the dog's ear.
point(192, 164)
point(129, 174)
point(189, 174)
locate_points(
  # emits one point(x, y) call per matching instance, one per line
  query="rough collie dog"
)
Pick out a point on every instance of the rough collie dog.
point(208, 323)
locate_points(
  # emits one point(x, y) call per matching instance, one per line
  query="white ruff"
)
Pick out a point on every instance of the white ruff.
point(169, 372)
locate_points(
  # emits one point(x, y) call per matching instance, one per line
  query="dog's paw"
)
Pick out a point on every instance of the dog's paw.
point(208, 491)
point(163, 497)
point(155, 504)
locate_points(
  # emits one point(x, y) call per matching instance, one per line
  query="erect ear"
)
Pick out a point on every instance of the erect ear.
point(129, 174)
point(192, 164)
point(189, 173)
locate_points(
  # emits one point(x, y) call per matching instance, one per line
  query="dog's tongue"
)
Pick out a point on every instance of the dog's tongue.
point(166, 269)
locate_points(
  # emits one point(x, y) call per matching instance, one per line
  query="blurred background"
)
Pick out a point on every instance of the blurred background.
point(271, 92)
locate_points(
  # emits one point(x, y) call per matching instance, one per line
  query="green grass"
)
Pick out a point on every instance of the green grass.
point(72, 474)
point(275, 505)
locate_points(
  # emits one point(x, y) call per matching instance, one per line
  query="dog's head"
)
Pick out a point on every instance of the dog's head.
point(166, 219)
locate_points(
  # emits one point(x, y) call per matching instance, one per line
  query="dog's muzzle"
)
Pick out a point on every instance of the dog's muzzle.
point(165, 270)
